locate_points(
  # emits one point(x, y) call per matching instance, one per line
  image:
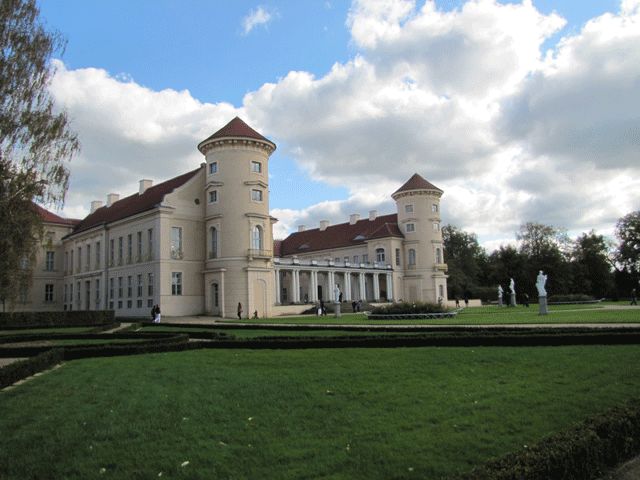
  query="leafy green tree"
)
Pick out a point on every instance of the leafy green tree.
point(35, 139)
point(592, 266)
point(465, 260)
point(628, 253)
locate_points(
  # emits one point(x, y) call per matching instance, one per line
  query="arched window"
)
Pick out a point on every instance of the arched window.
point(256, 238)
point(412, 256)
point(438, 255)
point(213, 245)
point(380, 255)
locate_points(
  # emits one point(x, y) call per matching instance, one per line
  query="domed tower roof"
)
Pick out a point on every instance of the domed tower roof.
point(416, 182)
point(235, 129)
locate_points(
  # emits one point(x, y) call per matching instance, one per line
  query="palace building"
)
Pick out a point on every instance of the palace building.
point(202, 242)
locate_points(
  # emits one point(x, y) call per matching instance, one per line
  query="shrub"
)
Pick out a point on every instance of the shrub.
point(409, 308)
point(583, 452)
point(14, 372)
point(570, 298)
point(56, 319)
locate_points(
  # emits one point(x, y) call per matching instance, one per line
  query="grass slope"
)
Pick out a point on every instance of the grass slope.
point(388, 413)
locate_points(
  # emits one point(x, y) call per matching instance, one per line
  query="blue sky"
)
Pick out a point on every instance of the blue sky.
point(357, 96)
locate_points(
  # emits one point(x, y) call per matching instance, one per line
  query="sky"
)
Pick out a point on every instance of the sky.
point(521, 111)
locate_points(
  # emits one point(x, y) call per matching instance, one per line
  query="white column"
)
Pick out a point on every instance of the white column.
point(376, 287)
point(389, 286)
point(278, 299)
point(313, 294)
point(347, 286)
point(363, 291)
point(296, 286)
point(331, 286)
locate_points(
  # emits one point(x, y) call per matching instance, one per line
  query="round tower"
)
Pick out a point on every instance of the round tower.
point(423, 268)
point(238, 266)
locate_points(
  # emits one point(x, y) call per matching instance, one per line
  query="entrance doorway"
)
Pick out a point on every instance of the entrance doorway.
point(215, 299)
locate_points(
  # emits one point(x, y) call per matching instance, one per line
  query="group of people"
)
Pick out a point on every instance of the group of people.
point(155, 314)
point(356, 306)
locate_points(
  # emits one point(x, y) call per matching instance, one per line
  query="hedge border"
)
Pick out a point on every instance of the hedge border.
point(14, 372)
point(584, 451)
point(74, 318)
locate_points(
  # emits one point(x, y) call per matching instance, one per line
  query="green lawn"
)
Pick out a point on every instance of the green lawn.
point(345, 413)
point(484, 315)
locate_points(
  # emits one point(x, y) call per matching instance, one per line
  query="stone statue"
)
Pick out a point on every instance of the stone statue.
point(540, 282)
point(500, 291)
point(336, 293)
point(512, 286)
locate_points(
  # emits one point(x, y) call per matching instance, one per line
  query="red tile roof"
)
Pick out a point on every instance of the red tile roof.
point(341, 235)
point(416, 182)
point(134, 204)
point(236, 128)
point(50, 217)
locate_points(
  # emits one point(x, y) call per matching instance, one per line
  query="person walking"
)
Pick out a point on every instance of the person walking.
point(153, 314)
point(156, 318)
point(634, 297)
point(239, 311)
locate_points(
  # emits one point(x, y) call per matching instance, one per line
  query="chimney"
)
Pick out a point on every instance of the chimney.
point(373, 214)
point(353, 218)
point(95, 205)
point(144, 184)
point(112, 198)
point(323, 225)
point(302, 228)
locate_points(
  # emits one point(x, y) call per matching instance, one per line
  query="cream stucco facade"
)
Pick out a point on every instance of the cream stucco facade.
point(202, 243)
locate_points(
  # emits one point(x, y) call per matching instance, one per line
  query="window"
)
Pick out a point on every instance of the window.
point(150, 284)
point(410, 227)
point(78, 295)
point(129, 303)
point(150, 244)
point(256, 238)
point(129, 248)
point(438, 255)
point(139, 247)
point(408, 208)
point(119, 303)
point(346, 259)
point(87, 295)
point(97, 254)
point(213, 196)
point(66, 262)
point(111, 288)
point(97, 294)
point(119, 287)
point(150, 302)
point(337, 260)
point(71, 261)
point(256, 195)
point(176, 242)
point(213, 168)
point(176, 283)
point(356, 260)
point(71, 296)
point(120, 250)
point(49, 263)
point(380, 255)
point(397, 256)
point(436, 226)
point(213, 245)
point(48, 292)
point(139, 278)
point(256, 167)
point(112, 252)
point(88, 257)
point(139, 303)
point(129, 286)
point(79, 259)
point(65, 294)
point(434, 207)
point(412, 257)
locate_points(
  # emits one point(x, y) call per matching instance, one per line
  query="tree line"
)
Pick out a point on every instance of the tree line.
point(591, 265)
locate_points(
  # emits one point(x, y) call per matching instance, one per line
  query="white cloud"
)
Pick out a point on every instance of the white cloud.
point(257, 17)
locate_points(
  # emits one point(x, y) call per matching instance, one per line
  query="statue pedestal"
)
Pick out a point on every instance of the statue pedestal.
point(336, 306)
point(513, 300)
point(542, 302)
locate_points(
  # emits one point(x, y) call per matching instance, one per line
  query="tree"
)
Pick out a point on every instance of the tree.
point(591, 265)
point(35, 140)
point(465, 259)
point(504, 264)
point(628, 232)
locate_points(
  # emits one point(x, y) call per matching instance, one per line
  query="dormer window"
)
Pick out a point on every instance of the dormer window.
point(359, 237)
point(304, 246)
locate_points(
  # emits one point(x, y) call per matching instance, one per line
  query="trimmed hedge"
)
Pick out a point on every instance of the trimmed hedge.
point(14, 372)
point(583, 452)
point(76, 318)
point(409, 308)
point(571, 298)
